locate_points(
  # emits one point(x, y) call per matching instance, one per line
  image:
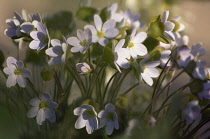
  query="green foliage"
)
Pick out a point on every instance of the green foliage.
point(86, 13)
point(2, 58)
point(59, 24)
point(103, 14)
point(151, 43)
point(196, 86)
point(108, 56)
point(47, 74)
point(177, 25)
point(92, 103)
point(122, 101)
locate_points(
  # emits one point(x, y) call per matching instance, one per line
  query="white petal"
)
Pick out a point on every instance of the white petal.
point(26, 73)
point(40, 118)
point(80, 123)
point(27, 27)
point(55, 42)
point(92, 28)
point(34, 102)
point(21, 81)
point(108, 24)
point(119, 45)
point(32, 112)
point(51, 52)
point(169, 35)
point(45, 96)
point(153, 64)
point(169, 26)
point(78, 111)
point(133, 34)
point(11, 80)
point(140, 49)
point(109, 107)
point(74, 41)
point(102, 114)
point(165, 16)
point(78, 48)
point(109, 128)
point(147, 78)
point(103, 122)
point(98, 22)
point(111, 33)
point(124, 63)
point(152, 72)
point(11, 61)
point(50, 115)
point(103, 41)
point(80, 35)
point(34, 44)
point(55, 60)
point(140, 37)
point(9, 70)
point(42, 28)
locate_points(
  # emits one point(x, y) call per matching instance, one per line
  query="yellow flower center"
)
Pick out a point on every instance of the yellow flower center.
point(90, 113)
point(83, 43)
point(110, 116)
point(130, 45)
point(18, 71)
point(42, 104)
point(100, 34)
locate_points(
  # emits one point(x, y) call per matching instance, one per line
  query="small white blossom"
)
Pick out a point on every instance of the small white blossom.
point(148, 70)
point(101, 33)
point(191, 112)
point(83, 68)
point(135, 46)
point(169, 26)
point(121, 55)
point(109, 118)
point(199, 71)
point(87, 117)
point(82, 43)
point(17, 73)
point(197, 51)
point(57, 52)
point(112, 10)
point(42, 108)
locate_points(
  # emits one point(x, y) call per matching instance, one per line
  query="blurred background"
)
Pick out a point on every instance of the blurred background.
point(195, 15)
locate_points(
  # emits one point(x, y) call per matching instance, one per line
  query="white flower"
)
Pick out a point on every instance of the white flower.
point(184, 56)
point(165, 55)
point(57, 52)
point(83, 68)
point(148, 70)
point(81, 43)
point(109, 118)
point(121, 55)
point(135, 45)
point(113, 13)
point(43, 108)
point(169, 26)
point(191, 112)
point(197, 51)
point(199, 71)
point(132, 20)
point(102, 32)
point(87, 117)
point(17, 73)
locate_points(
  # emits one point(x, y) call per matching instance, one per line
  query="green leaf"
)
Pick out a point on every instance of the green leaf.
point(92, 103)
point(122, 101)
point(155, 55)
point(47, 74)
point(196, 86)
point(108, 55)
point(156, 29)
point(86, 13)
point(103, 14)
point(2, 58)
point(177, 25)
point(164, 39)
point(136, 68)
point(151, 43)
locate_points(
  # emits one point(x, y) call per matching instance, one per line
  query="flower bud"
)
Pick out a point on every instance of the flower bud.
point(83, 68)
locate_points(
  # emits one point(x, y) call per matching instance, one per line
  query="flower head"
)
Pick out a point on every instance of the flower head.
point(87, 117)
point(57, 52)
point(191, 112)
point(197, 51)
point(102, 32)
point(199, 71)
point(121, 55)
point(109, 118)
point(17, 73)
point(135, 46)
point(205, 93)
point(131, 20)
point(112, 10)
point(41, 37)
point(169, 26)
point(148, 70)
point(43, 108)
point(82, 42)
point(83, 68)
point(14, 29)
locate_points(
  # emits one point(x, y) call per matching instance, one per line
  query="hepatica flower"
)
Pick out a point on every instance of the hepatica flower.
point(132, 20)
point(14, 29)
point(17, 73)
point(205, 93)
point(101, 33)
point(199, 71)
point(148, 70)
point(197, 51)
point(191, 112)
point(40, 37)
point(81, 42)
point(121, 55)
point(42, 108)
point(57, 52)
point(87, 117)
point(135, 46)
point(109, 118)
point(83, 68)
point(169, 26)
point(112, 10)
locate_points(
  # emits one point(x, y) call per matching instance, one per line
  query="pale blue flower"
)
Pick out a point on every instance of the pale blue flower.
point(40, 37)
point(83, 68)
point(82, 42)
point(132, 20)
point(135, 46)
point(165, 56)
point(169, 26)
point(101, 33)
point(87, 117)
point(57, 52)
point(191, 112)
point(184, 56)
point(109, 118)
point(199, 71)
point(14, 29)
point(17, 73)
point(197, 51)
point(121, 55)
point(112, 11)
point(205, 93)
point(148, 70)
point(42, 108)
